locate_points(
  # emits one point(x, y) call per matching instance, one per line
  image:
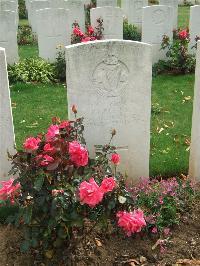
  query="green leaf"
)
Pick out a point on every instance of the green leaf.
point(27, 215)
point(25, 246)
point(39, 182)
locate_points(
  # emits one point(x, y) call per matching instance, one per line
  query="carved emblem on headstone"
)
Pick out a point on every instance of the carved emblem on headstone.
point(158, 16)
point(110, 76)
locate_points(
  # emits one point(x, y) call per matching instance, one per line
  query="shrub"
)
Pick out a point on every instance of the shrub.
point(60, 65)
point(22, 9)
point(130, 32)
point(31, 70)
point(179, 60)
point(92, 34)
point(25, 35)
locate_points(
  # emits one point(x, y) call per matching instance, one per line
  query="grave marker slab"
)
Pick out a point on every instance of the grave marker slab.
point(52, 29)
point(112, 21)
point(174, 5)
point(194, 165)
point(8, 35)
point(110, 83)
point(101, 3)
point(157, 21)
point(7, 139)
point(194, 26)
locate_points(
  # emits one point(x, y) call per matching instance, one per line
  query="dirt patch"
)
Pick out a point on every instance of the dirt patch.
point(115, 249)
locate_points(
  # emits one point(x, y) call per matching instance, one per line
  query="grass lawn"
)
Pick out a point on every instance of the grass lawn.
point(34, 106)
point(183, 16)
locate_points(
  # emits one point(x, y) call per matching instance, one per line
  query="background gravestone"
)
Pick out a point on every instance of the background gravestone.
point(101, 3)
point(7, 139)
point(53, 30)
point(112, 21)
point(174, 5)
point(133, 11)
point(157, 21)
point(11, 6)
point(110, 83)
point(194, 26)
point(8, 35)
point(194, 168)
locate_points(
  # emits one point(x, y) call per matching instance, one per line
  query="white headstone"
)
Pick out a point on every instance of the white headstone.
point(101, 3)
point(57, 3)
point(52, 29)
point(77, 13)
point(133, 11)
point(112, 21)
point(174, 5)
point(194, 26)
point(194, 166)
point(110, 83)
point(11, 6)
point(157, 21)
point(32, 15)
point(7, 139)
point(8, 35)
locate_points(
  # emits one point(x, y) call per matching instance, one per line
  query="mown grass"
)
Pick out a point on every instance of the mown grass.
point(183, 16)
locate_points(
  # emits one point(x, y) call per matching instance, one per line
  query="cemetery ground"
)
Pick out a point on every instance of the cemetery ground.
point(34, 105)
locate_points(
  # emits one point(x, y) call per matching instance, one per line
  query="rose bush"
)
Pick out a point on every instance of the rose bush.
point(92, 34)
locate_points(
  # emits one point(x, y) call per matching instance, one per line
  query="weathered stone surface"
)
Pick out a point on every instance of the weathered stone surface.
point(52, 29)
point(194, 26)
point(8, 35)
point(32, 15)
point(101, 3)
point(194, 166)
point(110, 83)
point(112, 21)
point(133, 11)
point(77, 12)
point(157, 21)
point(7, 139)
point(174, 5)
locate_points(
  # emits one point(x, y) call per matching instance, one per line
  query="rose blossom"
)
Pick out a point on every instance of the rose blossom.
point(115, 158)
point(52, 131)
point(46, 160)
point(78, 154)
point(78, 32)
point(154, 230)
point(90, 193)
point(55, 192)
point(8, 190)
point(48, 148)
point(108, 184)
point(183, 34)
point(90, 30)
point(31, 144)
point(64, 125)
point(131, 222)
point(86, 39)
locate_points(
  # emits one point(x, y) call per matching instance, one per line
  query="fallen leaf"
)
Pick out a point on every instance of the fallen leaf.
point(188, 262)
point(98, 242)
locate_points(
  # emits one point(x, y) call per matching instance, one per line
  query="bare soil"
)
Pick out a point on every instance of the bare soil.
point(183, 248)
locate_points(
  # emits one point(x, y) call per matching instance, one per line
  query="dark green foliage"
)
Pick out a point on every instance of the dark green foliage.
point(60, 66)
point(22, 9)
point(25, 35)
point(31, 70)
point(130, 32)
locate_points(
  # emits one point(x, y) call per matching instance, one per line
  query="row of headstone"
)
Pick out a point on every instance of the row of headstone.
point(8, 34)
point(117, 76)
point(7, 139)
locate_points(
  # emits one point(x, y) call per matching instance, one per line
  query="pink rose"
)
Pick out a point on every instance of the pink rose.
point(48, 148)
point(78, 32)
point(31, 144)
point(108, 184)
point(131, 222)
point(52, 131)
point(65, 125)
point(78, 154)
point(183, 34)
point(115, 158)
point(44, 160)
point(86, 39)
point(90, 30)
point(90, 193)
point(8, 190)
point(154, 230)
